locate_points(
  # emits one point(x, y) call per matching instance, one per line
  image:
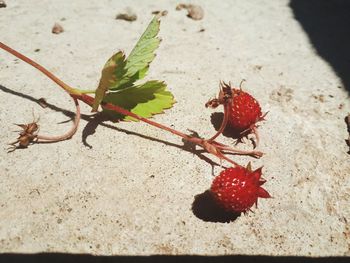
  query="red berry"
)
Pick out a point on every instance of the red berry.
point(238, 189)
point(245, 111)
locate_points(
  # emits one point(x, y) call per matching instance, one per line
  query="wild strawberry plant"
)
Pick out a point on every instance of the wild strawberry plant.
point(121, 95)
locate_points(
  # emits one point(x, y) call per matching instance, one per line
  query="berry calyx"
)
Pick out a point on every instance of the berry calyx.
point(237, 189)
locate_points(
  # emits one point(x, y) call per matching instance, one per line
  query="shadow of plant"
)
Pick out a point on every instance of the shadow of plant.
point(94, 120)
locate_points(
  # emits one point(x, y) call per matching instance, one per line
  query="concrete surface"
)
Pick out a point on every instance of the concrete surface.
point(132, 191)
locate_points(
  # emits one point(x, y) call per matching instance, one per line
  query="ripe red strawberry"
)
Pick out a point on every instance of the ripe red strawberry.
point(238, 189)
point(245, 111)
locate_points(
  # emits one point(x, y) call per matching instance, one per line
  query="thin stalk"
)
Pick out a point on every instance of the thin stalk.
point(223, 123)
point(68, 134)
point(59, 82)
point(81, 91)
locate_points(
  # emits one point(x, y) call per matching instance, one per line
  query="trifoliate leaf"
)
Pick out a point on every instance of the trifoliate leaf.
point(119, 75)
point(144, 100)
point(112, 73)
point(141, 56)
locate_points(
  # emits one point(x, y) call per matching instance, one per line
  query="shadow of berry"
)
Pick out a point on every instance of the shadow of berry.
point(216, 119)
point(205, 208)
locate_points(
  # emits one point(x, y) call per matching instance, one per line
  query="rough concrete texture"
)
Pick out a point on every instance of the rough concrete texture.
point(129, 188)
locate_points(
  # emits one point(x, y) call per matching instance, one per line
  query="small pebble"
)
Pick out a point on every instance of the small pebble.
point(2, 4)
point(57, 29)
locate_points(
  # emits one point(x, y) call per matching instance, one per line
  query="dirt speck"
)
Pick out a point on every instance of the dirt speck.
point(128, 15)
point(320, 97)
point(282, 94)
point(166, 249)
point(195, 12)
point(226, 242)
point(160, 13)
point(35, 191)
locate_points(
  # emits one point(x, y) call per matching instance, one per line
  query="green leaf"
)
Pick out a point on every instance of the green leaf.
point(117, 84)
point(141, 56)
point(144, 100)
point(112, 73)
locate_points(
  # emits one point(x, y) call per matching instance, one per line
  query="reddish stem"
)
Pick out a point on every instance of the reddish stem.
point(210, 146)
point(223, 123)
point(68, 134)
point(39, 67)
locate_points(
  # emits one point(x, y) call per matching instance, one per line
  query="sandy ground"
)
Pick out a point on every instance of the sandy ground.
point(129, 188)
